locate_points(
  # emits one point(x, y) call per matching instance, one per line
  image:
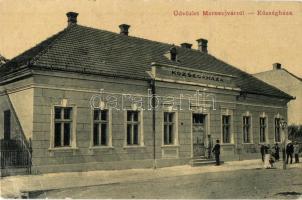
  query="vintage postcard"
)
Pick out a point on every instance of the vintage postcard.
point(150, 99)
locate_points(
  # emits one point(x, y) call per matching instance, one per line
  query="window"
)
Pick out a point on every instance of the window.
point(169, 132)
point(7, 128)
point(262, 129)
point(100, 127)
point(62, 126)
point(198, 118)
point(226, 129)
point(277, 130)
point(246, 129)
point(133, 128)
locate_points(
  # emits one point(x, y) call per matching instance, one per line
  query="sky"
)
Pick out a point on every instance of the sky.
point(250, 42)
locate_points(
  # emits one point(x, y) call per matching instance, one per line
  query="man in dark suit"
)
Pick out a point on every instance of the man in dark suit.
point(277, 149)
point(216, 151)
point(289, 152)
point(262, 150)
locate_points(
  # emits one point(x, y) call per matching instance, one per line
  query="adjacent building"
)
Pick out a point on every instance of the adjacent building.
point(87, 99)
point(286, 81)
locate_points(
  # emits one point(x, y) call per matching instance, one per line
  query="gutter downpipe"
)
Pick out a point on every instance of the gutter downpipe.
point(152, 85)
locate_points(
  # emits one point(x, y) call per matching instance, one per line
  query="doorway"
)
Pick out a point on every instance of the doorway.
point(199, 134)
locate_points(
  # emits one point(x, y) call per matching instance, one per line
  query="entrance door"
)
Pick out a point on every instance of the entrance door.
point(199, 134)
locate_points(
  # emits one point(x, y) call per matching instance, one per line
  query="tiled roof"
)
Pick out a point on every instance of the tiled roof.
point(92, 50)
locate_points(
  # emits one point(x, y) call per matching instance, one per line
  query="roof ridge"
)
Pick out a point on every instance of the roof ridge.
point(2, 57)
point(3, 60)
point(140, 38)
point(128, 36)
point(297, 77)
point(37, 47)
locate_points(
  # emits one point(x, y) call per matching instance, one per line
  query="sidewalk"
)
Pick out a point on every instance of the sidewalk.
point(13, 186)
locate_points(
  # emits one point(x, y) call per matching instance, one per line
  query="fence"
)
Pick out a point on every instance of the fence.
point(15, 154)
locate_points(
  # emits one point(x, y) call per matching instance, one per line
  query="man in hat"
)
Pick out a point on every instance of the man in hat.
point(216, 151)
point(289, 152)
point(277, 150)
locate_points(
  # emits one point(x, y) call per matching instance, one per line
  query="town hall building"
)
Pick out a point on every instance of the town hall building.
point(90, 99)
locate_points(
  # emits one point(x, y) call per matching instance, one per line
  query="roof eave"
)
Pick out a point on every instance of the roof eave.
point(85, 71)
point(287, 96)
point(16, 75)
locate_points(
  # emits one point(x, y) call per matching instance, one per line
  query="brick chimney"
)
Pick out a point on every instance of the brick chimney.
point(202, 45)
point(72, 18)
point(276, 66)
point(186, 45)
point(173, 53)
point(124, 29)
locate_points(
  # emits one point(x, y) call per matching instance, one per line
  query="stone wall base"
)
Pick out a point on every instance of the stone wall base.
point(128, 164)
point(117, 165)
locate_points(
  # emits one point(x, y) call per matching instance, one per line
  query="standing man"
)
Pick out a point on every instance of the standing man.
point(277, 149)
point(216, 151)
point(289, 152)
point(262, 150)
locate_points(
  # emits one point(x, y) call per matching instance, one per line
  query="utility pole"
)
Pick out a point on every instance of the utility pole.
point(283, 125)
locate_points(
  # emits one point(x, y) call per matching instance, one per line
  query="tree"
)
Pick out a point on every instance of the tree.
point(295, 133)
